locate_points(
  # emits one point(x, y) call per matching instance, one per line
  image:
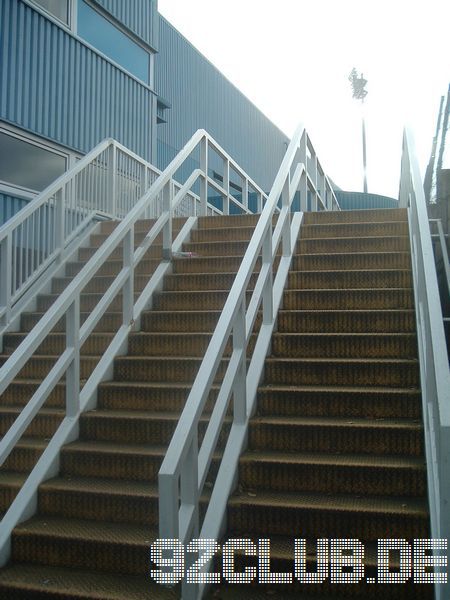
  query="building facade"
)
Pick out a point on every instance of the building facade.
point(73, 72)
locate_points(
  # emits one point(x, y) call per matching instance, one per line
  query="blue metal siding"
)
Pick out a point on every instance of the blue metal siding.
point(56, 87)
point(9, 206)
point(140, 16)
point(201, 97)
point(360, 200)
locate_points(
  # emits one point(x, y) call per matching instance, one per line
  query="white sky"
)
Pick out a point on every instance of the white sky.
point(292, 59)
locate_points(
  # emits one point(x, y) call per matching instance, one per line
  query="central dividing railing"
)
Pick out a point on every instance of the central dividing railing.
point(240, 341)
point(167, 198)
point(433, 358)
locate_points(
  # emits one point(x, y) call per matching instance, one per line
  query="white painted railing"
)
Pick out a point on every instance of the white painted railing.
point(434, 367)
point(106, 183)
point(442, 244)
point(247, 314)
point(174, 197)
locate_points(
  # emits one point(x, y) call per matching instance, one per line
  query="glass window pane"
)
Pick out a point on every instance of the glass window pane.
point(27, 165)
point(58, 8)
point(104, 36)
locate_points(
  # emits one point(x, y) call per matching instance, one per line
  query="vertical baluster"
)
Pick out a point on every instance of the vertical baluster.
point(287, 222)
point(226, 186)
point(245, 192)
point(112, 180)
point(240, 382)
point(14, 262)
point(128, 288)
point(267, 296)
point(73, 371)
point(204, 178)
point(167, 209)
point(6, 273)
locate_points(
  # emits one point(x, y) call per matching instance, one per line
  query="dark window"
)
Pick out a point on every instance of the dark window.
point(27, 165)
point(57, 8)
point(103, 35)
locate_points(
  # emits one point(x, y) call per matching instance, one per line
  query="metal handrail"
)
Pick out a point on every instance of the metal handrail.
point(106, 182)
point(67, 306)
point(443, 246)
point(434, 367)
point(184, 470)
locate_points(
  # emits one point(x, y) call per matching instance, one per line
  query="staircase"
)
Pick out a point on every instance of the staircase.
point(336, 448)
point(95, 522)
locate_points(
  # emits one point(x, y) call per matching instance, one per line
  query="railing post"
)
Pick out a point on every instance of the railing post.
point(405, 178)
point(304, 177)
point(444, 481)
point(167, 208)
point(240, 383)
point(287, 223)
point(112, 162)
point(189, 513)
point(259, 202)
point(226, 186)
point(128, 288)
point(73, 371)
point(60, 221)
point(6, 266)
point(168, 506)
point(267, 296)
point(204, 178)
point(245, 192)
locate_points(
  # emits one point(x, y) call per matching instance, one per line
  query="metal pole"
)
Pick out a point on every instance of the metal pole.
point(364, 154)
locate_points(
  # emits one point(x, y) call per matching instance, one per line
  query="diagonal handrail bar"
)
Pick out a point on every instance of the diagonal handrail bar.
point(172, 195)
point(433, 358)
point(185, 466)
point(102, 183)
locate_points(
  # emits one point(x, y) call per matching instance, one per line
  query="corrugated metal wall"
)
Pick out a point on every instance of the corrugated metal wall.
point(201, 97)
point(56, 87)
point(140, 16)
point(360, 200)
point(9, 206)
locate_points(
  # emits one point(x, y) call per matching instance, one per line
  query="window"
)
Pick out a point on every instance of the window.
point(57, 8)
point(114, 43)
point(28, 165)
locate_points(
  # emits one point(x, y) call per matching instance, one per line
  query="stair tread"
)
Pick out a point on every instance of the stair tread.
point(12, 479)
point(137, 415)
point(338, 503)
point(354, 460)
point(344, 290)
point(88, 530)
point(345, 238)
point(381, 361)
point(81, 583)
point(334, 271)
point(350, 223)
point(347, 310)
point(15, 409)
point(99, 485)
point(339, 422)
point(337, 334)
point(364, 253)
point(158, 385)
point(115, 447)
point(340, 389)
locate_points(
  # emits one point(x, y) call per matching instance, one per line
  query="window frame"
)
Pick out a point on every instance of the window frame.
point(124, 30)
point(12, 189)
point(47, 13)
point(72, 29)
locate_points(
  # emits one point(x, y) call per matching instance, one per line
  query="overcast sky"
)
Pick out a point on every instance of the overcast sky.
point(292, 59)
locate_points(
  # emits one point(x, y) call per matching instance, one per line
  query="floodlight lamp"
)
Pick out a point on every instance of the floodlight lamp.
point(358, 85)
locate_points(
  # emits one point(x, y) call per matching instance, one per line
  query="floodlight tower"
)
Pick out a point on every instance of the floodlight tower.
point(359, 93)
